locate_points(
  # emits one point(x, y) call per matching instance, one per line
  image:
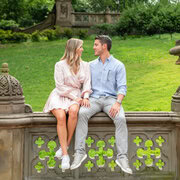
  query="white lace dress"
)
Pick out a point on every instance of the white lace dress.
point(69, 86)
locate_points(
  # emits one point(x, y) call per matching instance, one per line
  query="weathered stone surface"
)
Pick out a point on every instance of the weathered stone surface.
point(176, 51)
point(175, 104)
point(6, 155)
point(11, 154)
point(11, 94)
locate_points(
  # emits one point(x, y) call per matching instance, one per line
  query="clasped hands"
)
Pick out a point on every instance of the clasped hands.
point(83, 102)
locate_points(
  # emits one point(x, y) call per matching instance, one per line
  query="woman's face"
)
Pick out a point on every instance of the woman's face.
point(79, 50)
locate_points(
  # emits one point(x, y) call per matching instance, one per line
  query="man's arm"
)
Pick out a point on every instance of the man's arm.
point(116, 106)
point(121, 90)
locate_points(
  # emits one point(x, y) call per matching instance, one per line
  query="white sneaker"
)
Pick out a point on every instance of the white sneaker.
point(59, 153)
point(124, 165)
point(65, 164)
point(78, 159)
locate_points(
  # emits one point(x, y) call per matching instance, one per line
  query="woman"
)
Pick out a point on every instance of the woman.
point(72, 79)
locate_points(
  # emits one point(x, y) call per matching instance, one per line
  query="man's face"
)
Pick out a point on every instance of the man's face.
point(98, 48)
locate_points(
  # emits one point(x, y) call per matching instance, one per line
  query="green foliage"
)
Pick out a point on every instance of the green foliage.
point(35, 37)
point(67, 32)
point(37, 11)
point(149, 19)
point(95, 5)
point(16, 37)
point(49, 33)
point(19, 37)
point(5, 35)
point(81, 5)
point(82, 33)
point(25, 12)
point(108, 29)
point(59, 32)
point(8, 25)
point(12, 10)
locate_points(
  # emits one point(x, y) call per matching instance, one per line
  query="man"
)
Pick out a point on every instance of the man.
point(108, 80)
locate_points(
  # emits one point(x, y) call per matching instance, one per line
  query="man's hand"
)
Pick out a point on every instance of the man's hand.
point(114, 109)
point(85, 103)
point(78, 100)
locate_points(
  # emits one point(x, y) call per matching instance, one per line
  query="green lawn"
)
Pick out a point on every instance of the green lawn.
point(152, 75)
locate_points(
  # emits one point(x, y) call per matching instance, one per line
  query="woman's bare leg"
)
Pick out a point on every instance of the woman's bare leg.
point(60, 115)
point(72, 121)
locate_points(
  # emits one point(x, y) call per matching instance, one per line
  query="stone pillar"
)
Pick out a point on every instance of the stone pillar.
point(176, 51)
point(12, 106)
point(175, 103)
point(11, 94)
point(63, 13)
point(107, 16)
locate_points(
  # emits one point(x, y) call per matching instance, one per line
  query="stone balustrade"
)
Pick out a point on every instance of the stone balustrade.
point(80, 19)
point(28, 143)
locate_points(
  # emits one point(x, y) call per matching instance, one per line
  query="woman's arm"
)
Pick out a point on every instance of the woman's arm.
point(86, 90)
point(62, 89)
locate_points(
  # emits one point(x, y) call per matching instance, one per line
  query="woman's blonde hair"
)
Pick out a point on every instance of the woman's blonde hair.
point(70, 54)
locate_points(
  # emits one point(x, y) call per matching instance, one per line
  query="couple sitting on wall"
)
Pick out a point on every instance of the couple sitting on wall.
point(84, 89)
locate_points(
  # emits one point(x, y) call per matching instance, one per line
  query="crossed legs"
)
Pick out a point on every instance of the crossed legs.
point(66, 131)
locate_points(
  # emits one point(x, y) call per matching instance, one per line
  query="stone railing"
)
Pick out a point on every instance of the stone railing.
point(28, 142)
point(80, 19)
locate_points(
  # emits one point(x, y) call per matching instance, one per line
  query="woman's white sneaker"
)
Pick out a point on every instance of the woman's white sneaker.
point(59, 153)
point(65, 164)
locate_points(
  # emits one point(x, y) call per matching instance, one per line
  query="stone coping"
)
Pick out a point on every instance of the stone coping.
point(35, 119)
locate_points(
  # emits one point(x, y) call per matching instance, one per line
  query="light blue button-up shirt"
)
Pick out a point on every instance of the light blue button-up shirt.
point(108, 79)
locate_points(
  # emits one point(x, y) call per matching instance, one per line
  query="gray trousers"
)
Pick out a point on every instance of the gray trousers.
point(98, 105)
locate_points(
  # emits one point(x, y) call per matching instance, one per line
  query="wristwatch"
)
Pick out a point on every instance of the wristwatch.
point(119, 101)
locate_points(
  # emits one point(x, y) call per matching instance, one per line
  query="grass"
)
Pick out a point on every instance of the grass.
point(152, 76)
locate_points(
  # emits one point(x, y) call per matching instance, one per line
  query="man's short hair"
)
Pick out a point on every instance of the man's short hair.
point(104, 39)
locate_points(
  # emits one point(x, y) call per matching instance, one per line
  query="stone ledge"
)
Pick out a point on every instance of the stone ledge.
point(46, 119)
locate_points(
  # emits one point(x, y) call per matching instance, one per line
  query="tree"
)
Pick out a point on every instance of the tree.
point(25, 12)
point(12, 9)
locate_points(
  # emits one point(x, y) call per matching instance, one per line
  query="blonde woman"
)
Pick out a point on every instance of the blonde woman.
point(72, 79)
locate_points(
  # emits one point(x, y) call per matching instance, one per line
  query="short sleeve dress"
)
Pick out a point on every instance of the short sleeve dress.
point(69, 86)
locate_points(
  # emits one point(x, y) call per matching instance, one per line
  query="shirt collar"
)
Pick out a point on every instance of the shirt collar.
point(108, 59)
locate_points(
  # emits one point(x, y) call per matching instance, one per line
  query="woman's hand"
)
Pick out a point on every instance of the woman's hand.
point(85, 103)
point(78, 100)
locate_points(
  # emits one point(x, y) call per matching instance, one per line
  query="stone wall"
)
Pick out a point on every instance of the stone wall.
point(28, 143)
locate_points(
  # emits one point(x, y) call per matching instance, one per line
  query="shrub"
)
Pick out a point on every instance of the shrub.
point(108, 29)
point(59, 33)
point(8, 25)
point(82, 33)
point(49, 33)
point(4, 35)
point(149, 19)
point(9, 36)
point(67, 32)
point(19, 37)
point(35, 37)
